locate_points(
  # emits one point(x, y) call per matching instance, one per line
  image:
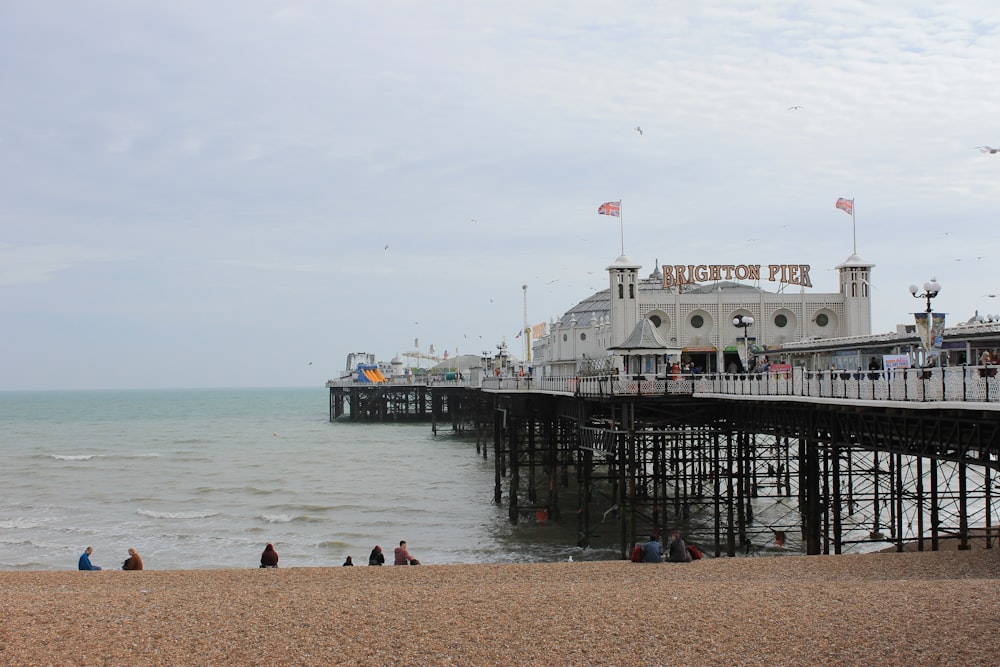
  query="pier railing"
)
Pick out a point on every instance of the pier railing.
point(965, 384)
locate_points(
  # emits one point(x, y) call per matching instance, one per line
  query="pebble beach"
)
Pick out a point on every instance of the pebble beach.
point(940, 608)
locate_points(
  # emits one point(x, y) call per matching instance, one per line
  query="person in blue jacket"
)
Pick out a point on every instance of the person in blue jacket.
point(651, 552)
point(85, 563)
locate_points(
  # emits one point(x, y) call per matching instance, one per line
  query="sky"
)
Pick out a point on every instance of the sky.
point(240, 193)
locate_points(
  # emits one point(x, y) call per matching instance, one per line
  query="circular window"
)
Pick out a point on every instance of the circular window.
point(822, 319)
point(780, 321)
point(697, 321)
point(583, 336)
point(655, 319)
point(565, 337)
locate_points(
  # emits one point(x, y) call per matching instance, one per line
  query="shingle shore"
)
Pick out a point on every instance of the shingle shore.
point(939, 608)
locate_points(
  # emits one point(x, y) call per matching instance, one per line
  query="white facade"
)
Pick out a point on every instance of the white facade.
point(698, 319)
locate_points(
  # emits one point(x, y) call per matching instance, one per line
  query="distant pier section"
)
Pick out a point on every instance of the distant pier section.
point(368, 391)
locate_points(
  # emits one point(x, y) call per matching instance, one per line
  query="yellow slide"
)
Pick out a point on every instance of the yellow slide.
point(374, 375)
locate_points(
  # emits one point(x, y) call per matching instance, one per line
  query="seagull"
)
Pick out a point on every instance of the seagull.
point(990, 296)
point(639, 130)
point(988, 149)
point(386, 246)
point(794, 108)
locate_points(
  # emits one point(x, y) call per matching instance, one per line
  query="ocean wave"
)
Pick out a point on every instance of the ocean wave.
point(307, 508)
point(72, 457)
point(287, 518)
point(19, 524)
point(334, 544)
point(176, 515)
point(27, 565)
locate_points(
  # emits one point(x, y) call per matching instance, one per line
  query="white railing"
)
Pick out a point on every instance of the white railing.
point(966, 384)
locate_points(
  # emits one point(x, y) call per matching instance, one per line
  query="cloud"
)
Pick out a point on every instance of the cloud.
point(187, 159)
point(25, 265)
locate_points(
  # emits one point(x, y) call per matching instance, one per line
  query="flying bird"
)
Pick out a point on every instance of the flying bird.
point(794, 108)
point(386, 246)
point(639, 130)
point(988, 149)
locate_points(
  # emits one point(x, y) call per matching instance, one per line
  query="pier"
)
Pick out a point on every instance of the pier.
point(799, 462)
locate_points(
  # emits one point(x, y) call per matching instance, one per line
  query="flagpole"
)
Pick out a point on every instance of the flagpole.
point(854, 228)
point(621, 223)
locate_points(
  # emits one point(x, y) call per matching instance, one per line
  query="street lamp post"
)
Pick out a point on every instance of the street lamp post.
point(931, 289)
point(744, 322)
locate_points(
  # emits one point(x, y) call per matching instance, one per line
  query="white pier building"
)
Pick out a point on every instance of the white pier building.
point(685, 313)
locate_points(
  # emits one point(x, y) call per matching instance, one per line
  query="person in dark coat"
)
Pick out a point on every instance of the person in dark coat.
point(133, 562)
point(270, 557)
point(678, 551)
point(349, 562)
point(376, 557)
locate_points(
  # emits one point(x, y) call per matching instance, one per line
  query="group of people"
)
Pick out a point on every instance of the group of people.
point(678, 551)
point(268, 559)
point(989, 358)
point(133, 562)
point(687, 368)
point(402, 557)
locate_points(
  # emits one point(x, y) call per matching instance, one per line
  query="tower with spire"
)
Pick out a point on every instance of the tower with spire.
point(855, 285)
point(623, 275)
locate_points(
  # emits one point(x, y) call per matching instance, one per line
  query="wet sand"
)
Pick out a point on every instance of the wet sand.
point(939, 608)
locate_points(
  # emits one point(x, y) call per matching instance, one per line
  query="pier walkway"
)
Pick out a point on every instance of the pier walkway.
point(800, 461)
point(961, 384)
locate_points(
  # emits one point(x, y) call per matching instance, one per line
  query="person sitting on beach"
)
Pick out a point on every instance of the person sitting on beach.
point(270, 557)
point(651, 551)
point(403, 556)
point(348, 562)
point(84, 563)
point(133, 562)
point(376, 557)
point(678, 551)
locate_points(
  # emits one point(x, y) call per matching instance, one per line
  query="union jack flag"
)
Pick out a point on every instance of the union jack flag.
point(846, 205)
point(610, 208)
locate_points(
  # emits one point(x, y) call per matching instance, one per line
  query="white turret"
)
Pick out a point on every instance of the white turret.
point(855, 285)
point(624, 280)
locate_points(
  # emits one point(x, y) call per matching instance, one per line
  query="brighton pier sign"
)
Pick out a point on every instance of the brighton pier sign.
point(686, 274)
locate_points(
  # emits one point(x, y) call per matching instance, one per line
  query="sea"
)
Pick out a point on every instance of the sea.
point(205, 478)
